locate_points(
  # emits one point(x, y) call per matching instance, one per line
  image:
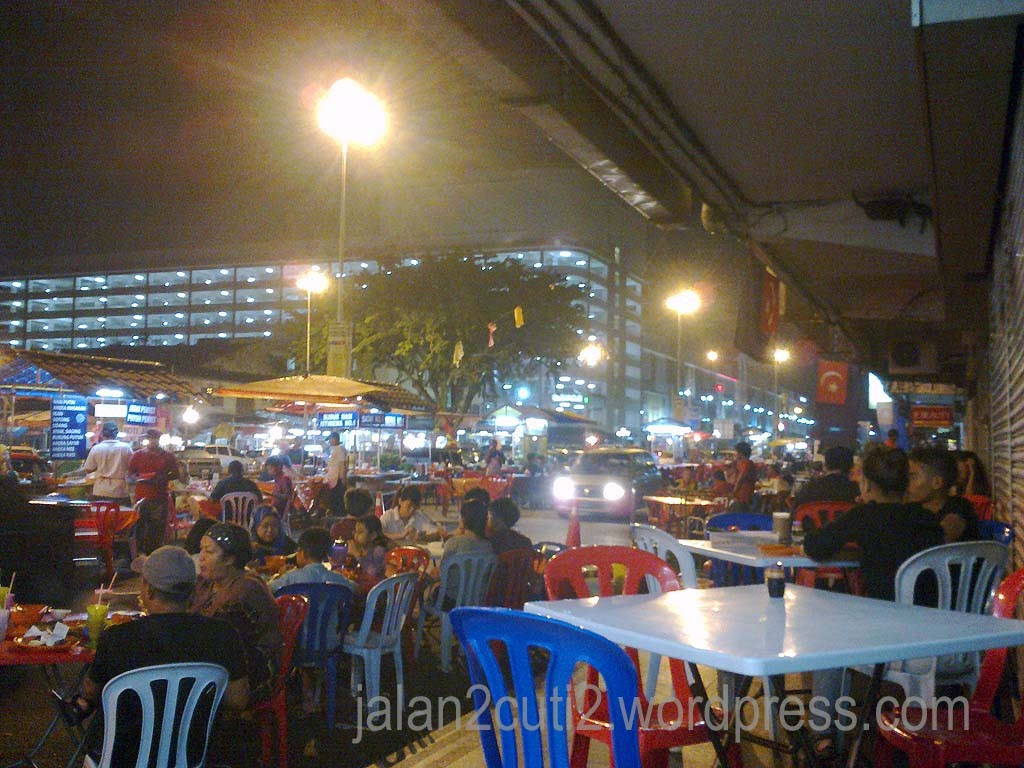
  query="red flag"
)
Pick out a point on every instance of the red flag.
point(768, 317)
point(832, 377)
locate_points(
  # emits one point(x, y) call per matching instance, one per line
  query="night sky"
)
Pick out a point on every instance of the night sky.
point(137, 125)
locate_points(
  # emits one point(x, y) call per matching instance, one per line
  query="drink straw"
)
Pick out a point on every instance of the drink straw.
point(111, 587)
point(11, 585)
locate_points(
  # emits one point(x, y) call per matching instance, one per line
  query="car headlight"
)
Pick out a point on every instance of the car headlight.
point(563, 489)
point(613, 491)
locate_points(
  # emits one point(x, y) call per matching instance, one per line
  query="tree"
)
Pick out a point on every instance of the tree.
point(411, 320)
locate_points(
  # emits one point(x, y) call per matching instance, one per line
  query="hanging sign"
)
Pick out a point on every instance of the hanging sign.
point(382, 420)
point(337, 420)
point(141, 414)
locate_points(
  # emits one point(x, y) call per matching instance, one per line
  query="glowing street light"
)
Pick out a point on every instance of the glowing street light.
point(686, 302)
point(780, 355)
point(591, 355)
point(349, 114)
point(311, 282)
point(712, 356)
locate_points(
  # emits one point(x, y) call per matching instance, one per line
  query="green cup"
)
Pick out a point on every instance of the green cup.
point(4, 592)
point(96, 621)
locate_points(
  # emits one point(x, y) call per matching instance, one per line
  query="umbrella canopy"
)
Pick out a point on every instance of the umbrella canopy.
point(334, 390)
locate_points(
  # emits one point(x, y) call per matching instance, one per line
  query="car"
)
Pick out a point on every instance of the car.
point(608, 481)
point(196, 464)
point(226, 454)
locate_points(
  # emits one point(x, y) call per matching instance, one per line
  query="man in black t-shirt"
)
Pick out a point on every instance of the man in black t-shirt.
point(235, 482)
point(932, 477)
point(835, 484)
point(167, 635)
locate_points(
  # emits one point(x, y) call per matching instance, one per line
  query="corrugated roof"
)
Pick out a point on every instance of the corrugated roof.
point(84, 374)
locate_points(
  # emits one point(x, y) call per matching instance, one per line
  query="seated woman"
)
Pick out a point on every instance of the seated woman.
point(502, 514)
point(283, 488)
point(270, 539)
point(888, 532)
point(226, 590)
point(369, 547)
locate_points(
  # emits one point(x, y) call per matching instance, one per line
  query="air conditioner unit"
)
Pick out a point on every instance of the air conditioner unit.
point(913, 356)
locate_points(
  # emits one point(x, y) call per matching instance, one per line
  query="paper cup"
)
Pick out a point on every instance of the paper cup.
point(782, 526)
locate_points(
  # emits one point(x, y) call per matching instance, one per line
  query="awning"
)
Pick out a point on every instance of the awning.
point(34, 373)
point(534, 412)
point(329, 390)
point(666, 426)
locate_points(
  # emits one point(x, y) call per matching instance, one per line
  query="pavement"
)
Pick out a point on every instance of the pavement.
point(25, 710)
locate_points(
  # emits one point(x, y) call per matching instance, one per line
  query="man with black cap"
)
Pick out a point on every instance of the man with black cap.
point(152, 468)
point(167, 634)
point(109, 459)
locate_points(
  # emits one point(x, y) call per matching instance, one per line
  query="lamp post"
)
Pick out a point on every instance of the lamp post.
point(349, 114)
point(686, 302)
point(311, 282)
point(780, 355)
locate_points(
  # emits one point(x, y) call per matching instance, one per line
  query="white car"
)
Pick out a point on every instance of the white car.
point(227, 454)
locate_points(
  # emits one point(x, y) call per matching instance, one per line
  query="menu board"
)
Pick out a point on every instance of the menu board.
point(382, 420)
point(68, 418)
point(337, 420)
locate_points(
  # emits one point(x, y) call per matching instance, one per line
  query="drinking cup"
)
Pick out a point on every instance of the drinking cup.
point(4, 593)
point(782, 526)
point(101, 595)
point(5, 616)
point(96, 621)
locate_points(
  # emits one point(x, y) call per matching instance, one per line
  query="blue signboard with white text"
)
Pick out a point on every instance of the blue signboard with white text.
point(382, 420)
point(337, 420)
point(141, 414)
point(68, 419)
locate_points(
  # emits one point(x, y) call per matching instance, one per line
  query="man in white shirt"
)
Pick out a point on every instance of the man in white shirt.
point(109, 459)
point(337, 474)
point(406, 523)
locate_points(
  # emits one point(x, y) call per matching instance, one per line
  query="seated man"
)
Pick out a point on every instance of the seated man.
point(235, 482)
point(932, 480)
point(405, 521)
point(502, 514)
point(168, 634)
point(835, 484)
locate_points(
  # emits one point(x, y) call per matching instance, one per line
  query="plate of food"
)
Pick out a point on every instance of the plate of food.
point(37, 644)
point(779, 550)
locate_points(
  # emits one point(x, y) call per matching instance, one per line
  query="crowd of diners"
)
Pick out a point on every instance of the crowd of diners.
point(211, 600)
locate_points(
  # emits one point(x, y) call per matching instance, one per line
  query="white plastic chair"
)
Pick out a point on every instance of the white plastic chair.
point(662, 543)
point(367, 645)
point(977, 568)
point(239, 508)
point(470, 574)
point(193, 683)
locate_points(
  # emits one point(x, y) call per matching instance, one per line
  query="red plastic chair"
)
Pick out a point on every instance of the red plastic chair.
point(496, 487)
point(100, 528)
point(937, 739)
point(982, 506)
point(514, 578)
point(293, 610)
point(622, 570)
point(408, 558)
point(818, 514)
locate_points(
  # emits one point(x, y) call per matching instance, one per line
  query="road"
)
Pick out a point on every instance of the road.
point(546, 525)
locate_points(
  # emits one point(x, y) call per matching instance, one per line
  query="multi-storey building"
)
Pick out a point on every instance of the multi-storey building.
point(182, 305)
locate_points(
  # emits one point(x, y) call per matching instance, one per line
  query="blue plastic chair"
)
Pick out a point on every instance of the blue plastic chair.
point(319, 642)
point(723, 573)
point(380, 633)
point(994, 530)
point(464, 580)
point(499, 640)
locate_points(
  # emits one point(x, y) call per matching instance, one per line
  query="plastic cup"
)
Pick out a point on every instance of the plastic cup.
point(96, 621)
point(101, 595)
point(5, 616)
point(782, 526)
point(4, 593)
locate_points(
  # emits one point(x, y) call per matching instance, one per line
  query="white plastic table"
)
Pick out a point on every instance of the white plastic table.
point(744, 631)
point(741, 547)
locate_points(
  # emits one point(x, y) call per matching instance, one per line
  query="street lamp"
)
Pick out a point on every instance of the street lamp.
point(311, 282)
point(591, 355)
point(780, 355)
point(349, 114)
point(686, 302)
point(712, 356)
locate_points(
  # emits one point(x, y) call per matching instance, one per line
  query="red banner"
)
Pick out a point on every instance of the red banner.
point(931, 415)
point(768, 317)
point(832, 377)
